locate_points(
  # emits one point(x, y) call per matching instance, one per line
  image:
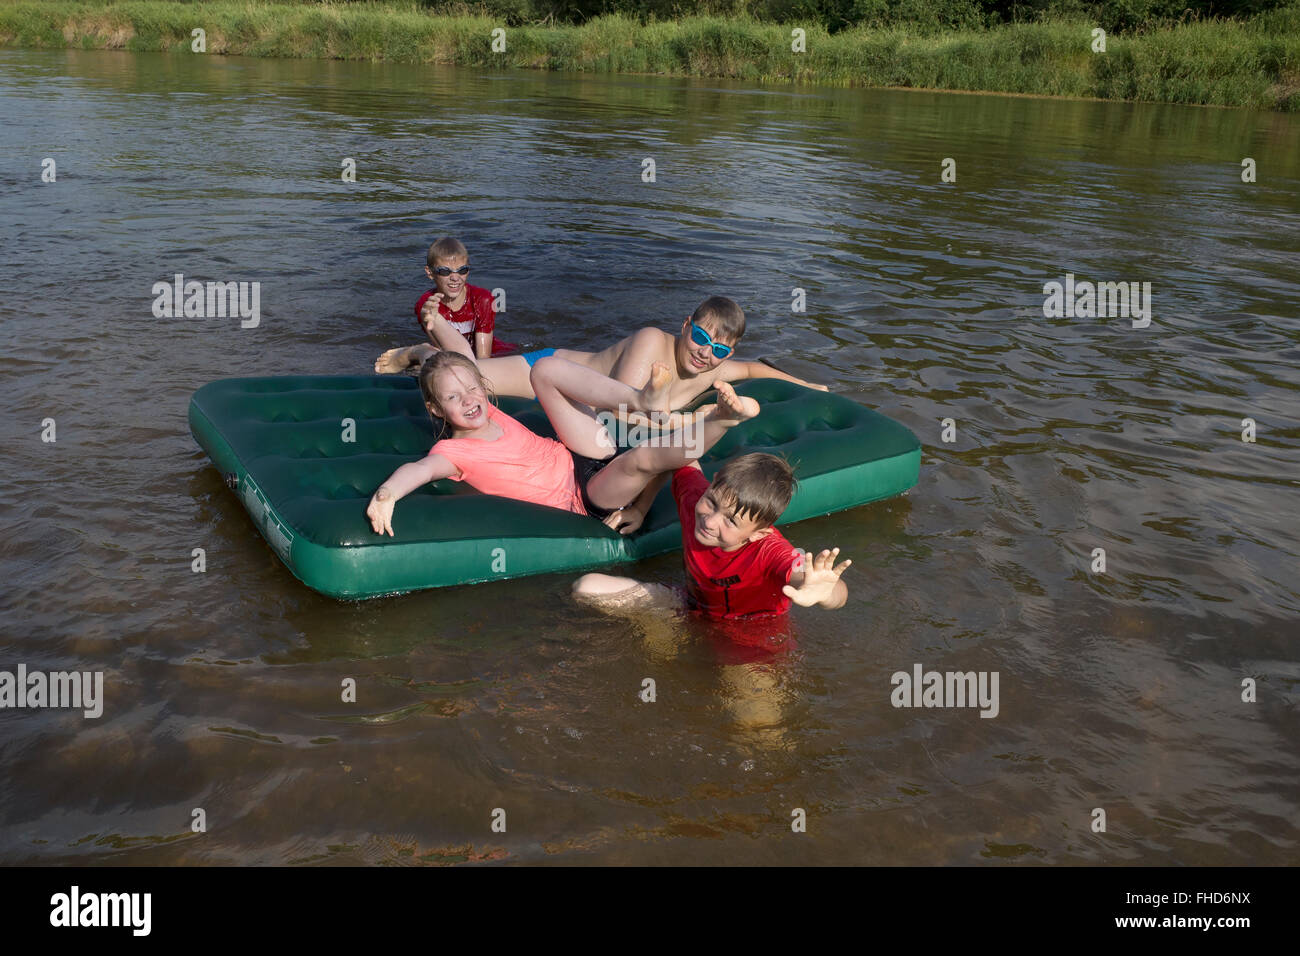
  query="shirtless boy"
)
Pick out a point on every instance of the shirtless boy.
point(699, 356)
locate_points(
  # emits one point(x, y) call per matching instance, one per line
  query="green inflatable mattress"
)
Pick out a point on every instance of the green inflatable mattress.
point(304, 454)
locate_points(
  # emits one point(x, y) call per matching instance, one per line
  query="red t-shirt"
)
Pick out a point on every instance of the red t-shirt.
point(730, 584)
point(474, 315)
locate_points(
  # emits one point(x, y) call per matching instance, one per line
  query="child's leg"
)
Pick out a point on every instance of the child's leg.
point(402, 358)
point(443, 335)
point(640, 351)
point(621, 480)
point(612, 594)
point(568, 392)
point(507, 374)
point(753, 695)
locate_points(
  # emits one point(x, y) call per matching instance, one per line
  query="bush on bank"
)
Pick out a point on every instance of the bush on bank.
point(1254, 62)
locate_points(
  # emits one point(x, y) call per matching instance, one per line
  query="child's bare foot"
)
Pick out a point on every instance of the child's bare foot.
point(732, 407)
point(392, 361)
point(654, 396)
point(400, 359)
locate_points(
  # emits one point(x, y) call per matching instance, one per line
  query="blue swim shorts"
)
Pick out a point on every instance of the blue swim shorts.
point(532, 357)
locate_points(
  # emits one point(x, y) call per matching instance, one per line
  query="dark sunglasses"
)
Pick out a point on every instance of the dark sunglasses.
point(444, 271)
point(700, 337)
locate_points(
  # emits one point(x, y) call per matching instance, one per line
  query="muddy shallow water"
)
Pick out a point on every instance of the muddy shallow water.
point(1119, 690)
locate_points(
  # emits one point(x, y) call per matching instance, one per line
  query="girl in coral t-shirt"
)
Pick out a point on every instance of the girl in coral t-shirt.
point(584, 475)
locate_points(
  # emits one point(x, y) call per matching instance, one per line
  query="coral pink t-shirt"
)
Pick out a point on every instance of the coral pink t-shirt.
point(519, 464)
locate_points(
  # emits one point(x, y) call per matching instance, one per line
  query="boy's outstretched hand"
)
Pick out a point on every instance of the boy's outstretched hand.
point(820, 581)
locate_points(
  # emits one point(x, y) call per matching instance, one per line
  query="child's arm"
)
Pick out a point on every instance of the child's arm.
point(400, 484)
point(734, 371)
point(818, 582)
point(483, 329)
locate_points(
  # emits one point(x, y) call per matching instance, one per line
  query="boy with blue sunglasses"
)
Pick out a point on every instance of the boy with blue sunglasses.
point(699, 356)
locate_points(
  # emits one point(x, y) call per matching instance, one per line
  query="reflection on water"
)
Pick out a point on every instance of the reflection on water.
point(225, 689)
point(753, 695)
point(755, 683)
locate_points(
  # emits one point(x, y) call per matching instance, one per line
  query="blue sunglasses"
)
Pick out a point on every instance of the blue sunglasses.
point(700, 337)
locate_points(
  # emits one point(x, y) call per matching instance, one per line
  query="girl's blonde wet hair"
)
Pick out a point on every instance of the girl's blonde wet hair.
point(444, 361)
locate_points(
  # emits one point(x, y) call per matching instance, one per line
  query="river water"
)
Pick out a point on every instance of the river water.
point(1120, 691)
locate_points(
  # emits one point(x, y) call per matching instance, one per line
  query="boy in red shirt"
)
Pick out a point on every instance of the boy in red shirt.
point(737, 564)
point(467, 308)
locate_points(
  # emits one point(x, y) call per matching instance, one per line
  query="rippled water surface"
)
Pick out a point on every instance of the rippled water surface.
point(1119, 690)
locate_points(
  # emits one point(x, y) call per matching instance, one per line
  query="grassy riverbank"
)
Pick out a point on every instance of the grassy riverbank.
point(1253, 63)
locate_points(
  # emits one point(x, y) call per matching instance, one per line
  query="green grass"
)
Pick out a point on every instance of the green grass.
point(1254, 63)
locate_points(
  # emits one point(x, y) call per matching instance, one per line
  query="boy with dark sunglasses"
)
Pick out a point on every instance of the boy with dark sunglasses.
point(467, 308)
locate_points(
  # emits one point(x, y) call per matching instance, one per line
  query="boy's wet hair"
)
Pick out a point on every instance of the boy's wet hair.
point(755, 486)
point(724, 315)
point(446, 248)
point(440, 362)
